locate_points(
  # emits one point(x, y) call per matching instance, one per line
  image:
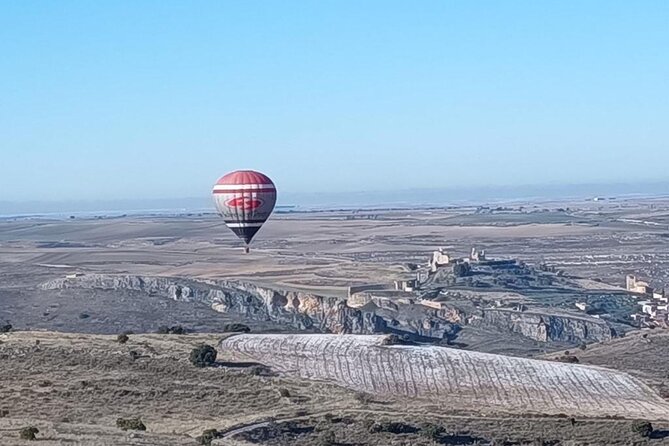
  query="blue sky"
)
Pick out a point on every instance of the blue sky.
point(126, 99)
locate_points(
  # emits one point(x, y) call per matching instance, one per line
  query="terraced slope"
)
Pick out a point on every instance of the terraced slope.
point(455, 378)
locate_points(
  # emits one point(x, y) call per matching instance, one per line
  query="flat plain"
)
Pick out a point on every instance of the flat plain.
point(63, 372)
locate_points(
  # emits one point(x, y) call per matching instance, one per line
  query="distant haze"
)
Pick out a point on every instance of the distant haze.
point(361, 199)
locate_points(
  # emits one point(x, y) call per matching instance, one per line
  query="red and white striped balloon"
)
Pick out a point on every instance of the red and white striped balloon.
point(245, 199)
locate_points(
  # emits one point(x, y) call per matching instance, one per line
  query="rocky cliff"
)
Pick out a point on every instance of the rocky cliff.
point(305, 311)
point(300, 310)
point(548, 327)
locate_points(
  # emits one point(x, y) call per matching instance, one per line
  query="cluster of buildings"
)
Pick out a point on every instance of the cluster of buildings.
point(440, 260)
point(654, 307)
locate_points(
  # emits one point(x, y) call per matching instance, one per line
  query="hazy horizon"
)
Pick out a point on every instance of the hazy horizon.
point(400, 197)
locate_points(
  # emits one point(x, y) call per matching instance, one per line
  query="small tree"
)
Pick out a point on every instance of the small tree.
point(643, 428)
point(327, 439)
point(130, 424)
point(6, 328)
point(432, 431)
point(461, 269)
point(284, 393)
point(122, 338)
point(28, 433)
point(207, 437)
point(363, 398)
point(236, 328)
point(203, 356)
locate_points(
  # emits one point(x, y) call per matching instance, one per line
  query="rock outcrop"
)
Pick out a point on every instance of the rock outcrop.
point(548, 327)
point(307, 311)
point(303, 311)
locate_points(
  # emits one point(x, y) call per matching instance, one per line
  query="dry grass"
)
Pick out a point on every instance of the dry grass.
point(93, 380)
point(74, 387)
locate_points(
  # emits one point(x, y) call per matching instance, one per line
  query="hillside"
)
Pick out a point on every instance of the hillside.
point(464, 379)
point(73, 387)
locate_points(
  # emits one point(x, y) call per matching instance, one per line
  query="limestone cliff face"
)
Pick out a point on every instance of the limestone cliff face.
point(306, 311)
point(300, 310)
point(544, 328)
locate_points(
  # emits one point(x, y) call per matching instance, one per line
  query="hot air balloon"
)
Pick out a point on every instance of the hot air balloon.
point(245, 199)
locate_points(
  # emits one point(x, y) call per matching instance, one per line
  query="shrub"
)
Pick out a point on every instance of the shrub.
point(284, 392)
point(394, 339)
point(134, 424)
point(28, 433)
point(583, 346)
point(643, 428)
point(461, 269)
point(5, 328)
point(207, 437)
point(4, 413)
point(327, 439)
point(260, 370)
point(432, 431)
point(567, 358)
point(236, 328)
point(203, 356)
point(178, 330)
point(394, 427)
point(122, 338)
point(368, 424)
point(363, 398)
point(174, 329)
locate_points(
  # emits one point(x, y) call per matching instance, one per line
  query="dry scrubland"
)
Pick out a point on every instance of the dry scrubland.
point(328, 251)
point(73, 388)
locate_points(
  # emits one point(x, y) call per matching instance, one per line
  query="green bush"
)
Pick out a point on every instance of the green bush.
point(207, 437)
point(122, 338)
point(236, 328)
point(363, 398)
point(5, 328)
point(28, 433)
point(327, 439)
point(643, 428)
point(462, 269)
point(432, 431)
point(203, 356)
point(174, 329)
point(393, 427)
point(569, 359)
point(285, 393)
point(134, 424)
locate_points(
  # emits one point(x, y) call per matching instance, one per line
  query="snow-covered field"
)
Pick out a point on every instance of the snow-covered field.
point(459, 379)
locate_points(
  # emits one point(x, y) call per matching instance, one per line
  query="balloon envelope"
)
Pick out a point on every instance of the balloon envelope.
point(245, 199)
